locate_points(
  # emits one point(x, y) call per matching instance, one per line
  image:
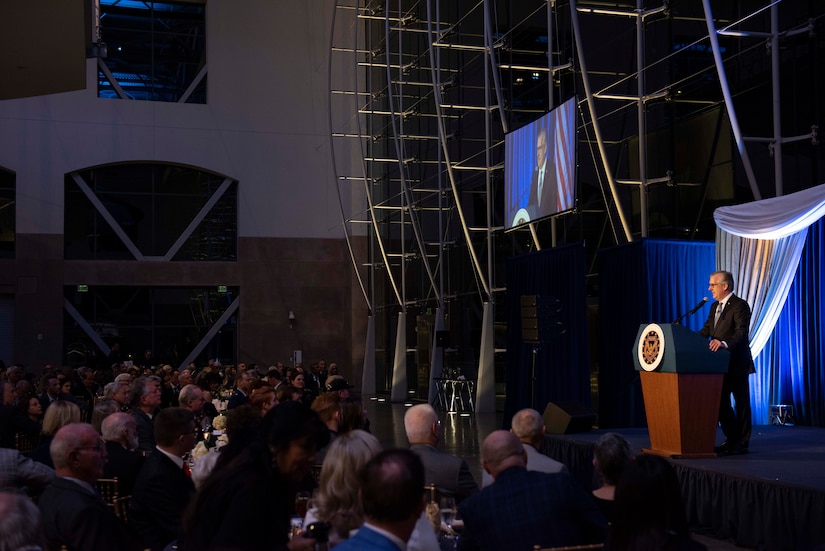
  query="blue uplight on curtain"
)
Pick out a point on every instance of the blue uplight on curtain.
point(761, 244)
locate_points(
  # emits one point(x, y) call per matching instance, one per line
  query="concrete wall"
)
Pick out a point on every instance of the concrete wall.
point(265, 125)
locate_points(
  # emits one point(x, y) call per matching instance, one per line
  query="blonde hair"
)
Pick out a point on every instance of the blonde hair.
point(59, 414)
point(338, 501)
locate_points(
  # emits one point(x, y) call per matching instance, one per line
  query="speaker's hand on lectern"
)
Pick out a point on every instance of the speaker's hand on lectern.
point(716, 344)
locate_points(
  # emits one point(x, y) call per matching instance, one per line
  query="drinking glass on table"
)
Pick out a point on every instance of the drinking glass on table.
point(448, 511)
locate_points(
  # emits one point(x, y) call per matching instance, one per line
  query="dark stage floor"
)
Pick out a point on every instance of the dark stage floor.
point(772, 499)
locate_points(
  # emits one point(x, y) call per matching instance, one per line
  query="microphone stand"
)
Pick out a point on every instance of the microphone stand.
point(678, 320)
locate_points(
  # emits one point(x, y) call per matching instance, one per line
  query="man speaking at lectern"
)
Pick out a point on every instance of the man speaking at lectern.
point(727, 327)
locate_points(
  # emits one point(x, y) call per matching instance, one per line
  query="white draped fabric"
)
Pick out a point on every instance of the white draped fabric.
point(760, 243)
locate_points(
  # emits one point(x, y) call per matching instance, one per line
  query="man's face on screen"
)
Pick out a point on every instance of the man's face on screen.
point(541, 149)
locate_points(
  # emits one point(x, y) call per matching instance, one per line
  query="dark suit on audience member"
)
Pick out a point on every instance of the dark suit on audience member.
point(124, 465)
point(76, 517)
point(145, 431)
point(525, 508)
point(450, 474)
point(732, 328)
point(238, 398)
point(41, 454)
point(161, 493)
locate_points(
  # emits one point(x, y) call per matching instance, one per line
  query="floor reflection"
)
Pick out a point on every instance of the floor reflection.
point(463, 433)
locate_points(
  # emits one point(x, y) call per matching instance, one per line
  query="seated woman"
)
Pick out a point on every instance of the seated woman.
point(296, 379)
point(247, 501)
point(101, 411)
point(338, 501)
point(59, 414)
point(611, 455)
point(353, 415)
point(648, 512)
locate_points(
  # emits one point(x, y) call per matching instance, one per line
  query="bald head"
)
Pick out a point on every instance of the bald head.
point(78, 452)
point(528, 425)
point(421, 425)
point(501, 450)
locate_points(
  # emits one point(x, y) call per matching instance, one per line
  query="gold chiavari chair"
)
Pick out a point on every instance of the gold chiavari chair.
point(109, 490)
point(24, 443)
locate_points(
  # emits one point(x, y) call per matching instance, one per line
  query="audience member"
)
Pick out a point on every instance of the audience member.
point(611, 455)
point(249, 501)
point(120, 434)
point(338, 501)
point(191, 398)
point(74, 515)
point(101, 411)
point(648, 512)
point(353, 415)
point(450, 474)
point(328, 408)
point(21, 474)
point(13, 419)
point(339, 385)
point(51, 391)
point(528, 426)
point(119, 392)
point(262, 397)
point(392, 494)
point(59, 414)
point(145, 402)
point(288, 393)
point(241, 394)
point(297, 380)
point(525, 508)
point(164, 485)
point(21, 526)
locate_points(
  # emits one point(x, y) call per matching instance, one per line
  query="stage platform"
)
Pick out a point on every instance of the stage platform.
point(772, 498)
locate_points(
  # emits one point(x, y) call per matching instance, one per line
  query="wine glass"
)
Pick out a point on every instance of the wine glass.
point(448, 511)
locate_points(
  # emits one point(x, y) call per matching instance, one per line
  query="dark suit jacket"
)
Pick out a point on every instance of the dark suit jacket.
point(733, 329)
point(525, 508)
point(450, 474)
point(549, 192)
point(145, 431)
point(123, 464)
point(162, 491)
point(74, 517)
point(18, 472)
point(238, 398)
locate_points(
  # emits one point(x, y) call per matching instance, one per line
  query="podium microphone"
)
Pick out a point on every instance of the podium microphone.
point(695, 309)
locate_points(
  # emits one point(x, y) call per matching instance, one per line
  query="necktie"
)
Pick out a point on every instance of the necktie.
point(541, 184)
point(718, 314)
point(186, 470)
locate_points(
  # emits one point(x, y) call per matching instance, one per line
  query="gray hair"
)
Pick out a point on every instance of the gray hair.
point(110, 388)
point(141, 387)
point(418, 422)
point(187, 394)
point(21, 526)
point(114, 425)
point(527, 424)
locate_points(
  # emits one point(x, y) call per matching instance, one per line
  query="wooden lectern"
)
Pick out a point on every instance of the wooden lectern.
point(682, 385)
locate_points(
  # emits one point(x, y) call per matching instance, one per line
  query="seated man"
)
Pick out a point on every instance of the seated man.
point(528, 425)
point(120, 434)
point(451, 475)
point(74, 515)
point(145, 403)
point(392, 493)
point(525, 508)
point(164, 485)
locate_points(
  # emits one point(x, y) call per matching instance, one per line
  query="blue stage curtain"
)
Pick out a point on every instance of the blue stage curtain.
point(562, 362)
point(791, 367)
point(647, 281)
